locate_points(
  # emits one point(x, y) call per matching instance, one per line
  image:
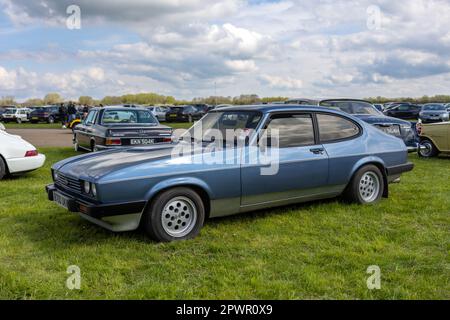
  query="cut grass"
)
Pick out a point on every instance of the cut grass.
point(27, 125)
point(319, 250)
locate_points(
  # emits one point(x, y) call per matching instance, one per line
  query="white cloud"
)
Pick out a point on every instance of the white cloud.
point(282, 83)
point(270, 48)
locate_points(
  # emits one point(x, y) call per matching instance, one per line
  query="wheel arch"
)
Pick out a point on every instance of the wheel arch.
point(199, 186)
point(375, 161)
point(422, 138)
point(6, 164)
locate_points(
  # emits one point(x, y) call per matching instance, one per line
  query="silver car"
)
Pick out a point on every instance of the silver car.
point(159, 112)
point(434, 112)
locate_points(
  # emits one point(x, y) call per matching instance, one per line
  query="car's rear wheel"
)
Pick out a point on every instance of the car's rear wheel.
point(94, 147)
point(427, 149)
point(19, 120)
point(366, 186)
point(3, 170)
point(51, 120)
point(176, 214)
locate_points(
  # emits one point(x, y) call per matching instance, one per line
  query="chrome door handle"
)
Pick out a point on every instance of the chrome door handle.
point(317, 150)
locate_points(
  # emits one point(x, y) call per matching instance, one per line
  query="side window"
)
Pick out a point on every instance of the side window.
point(334, 128)
point(295, 130)
point(91, 117)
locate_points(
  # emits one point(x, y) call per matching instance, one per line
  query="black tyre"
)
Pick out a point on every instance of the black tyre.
point(51, 120)
point(94, 147)
point(190, 119)
point(427, 149)
point(3, 169)
point(176, 214)
point(366, 186)
point(19, 120)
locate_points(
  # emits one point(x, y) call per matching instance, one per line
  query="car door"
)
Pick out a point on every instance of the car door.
point(299, 166)
point(84, 131)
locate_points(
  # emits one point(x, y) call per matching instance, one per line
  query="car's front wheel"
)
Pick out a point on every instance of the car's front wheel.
point(366, 186)
point(427, 149)
point(51, 120)
point(176, 214)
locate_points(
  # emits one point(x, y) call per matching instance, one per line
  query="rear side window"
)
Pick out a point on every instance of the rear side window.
point(91, 117)
point(295, 130)
point(334, 128)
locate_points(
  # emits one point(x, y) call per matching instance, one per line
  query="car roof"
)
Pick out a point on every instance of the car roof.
point(345, 100)
point(268, 108)
point(118, 108)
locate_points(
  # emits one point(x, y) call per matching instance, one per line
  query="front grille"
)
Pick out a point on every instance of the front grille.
point(68, 183)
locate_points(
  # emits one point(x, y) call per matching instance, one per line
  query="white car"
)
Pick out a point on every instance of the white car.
point(17, 155)
point(18, 115)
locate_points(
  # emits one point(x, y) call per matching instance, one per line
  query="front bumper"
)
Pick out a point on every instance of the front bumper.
point(117, 217)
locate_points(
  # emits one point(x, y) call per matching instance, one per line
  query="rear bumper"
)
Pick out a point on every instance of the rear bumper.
point(398, 170)
point(119, 217)
point(18, 165)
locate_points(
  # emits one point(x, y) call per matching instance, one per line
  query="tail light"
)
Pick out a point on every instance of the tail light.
point(113, 142)
point(167, 140)
point(32, 153)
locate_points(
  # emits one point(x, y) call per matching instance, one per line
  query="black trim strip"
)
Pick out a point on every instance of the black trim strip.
point(396, 170)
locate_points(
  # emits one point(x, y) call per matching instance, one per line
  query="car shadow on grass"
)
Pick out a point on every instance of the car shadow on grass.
point(62, 230)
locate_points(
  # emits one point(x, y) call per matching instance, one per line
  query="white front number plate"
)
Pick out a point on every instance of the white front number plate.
point(61, 200)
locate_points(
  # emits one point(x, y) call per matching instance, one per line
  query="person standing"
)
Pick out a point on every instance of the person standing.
point(72, 112)
point(63, 115)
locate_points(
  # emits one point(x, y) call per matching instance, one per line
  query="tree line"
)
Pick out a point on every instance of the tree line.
point(155, 99)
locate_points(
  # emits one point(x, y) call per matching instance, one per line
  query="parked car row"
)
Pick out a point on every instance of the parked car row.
point(428, 113)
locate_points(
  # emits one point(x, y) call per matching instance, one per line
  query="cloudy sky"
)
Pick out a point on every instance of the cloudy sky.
point(295, 48)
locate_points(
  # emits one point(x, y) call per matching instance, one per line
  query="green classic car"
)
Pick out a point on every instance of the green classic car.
point(434, 139)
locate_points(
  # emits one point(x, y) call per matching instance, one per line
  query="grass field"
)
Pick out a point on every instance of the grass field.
point(183, 125)
point(312, 251)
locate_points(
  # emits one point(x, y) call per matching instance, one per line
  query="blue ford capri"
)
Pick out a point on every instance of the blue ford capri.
point(275, 155)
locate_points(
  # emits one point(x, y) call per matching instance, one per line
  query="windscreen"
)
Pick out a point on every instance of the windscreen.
point(128, 117)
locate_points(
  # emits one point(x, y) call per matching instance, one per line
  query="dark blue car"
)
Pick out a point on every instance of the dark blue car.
point(235, 160)
point(365, 111)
